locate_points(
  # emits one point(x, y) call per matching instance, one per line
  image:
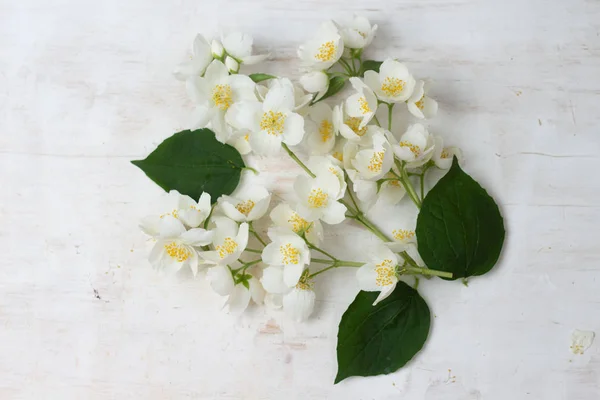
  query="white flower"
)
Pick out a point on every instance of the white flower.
point(299, 303)
point(443, 156)
point(214, 94)
point(202, 56)
point(350, 127)
point(240, 139)
point(288, 252)
point(389, 193)
point(393, 83)
point(315, 82)
point(359, 33)
point(247, 203)
point(320, 134)
point(229, 241)
point(239, 294)
point(328, 165)
point(271, 122)
point(362, 104)
point(216, 47)
point(239, 46)
point(380, 273)
point(174, 248)
point(318, 198)
point(415, 147)
point(581, 341)
point(403, 240)
point(374, 162)
point(182, 207)
point(232, 65)
point(220, 279)
point(301, 99)
point(419, 104)
point(324, 49)
point(285, 217)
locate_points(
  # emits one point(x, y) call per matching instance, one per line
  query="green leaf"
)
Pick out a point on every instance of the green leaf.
point(335, 85)
point(261, 77)
point(369, 65)
point(375, 340)
point(459, 228)
point(193, 162)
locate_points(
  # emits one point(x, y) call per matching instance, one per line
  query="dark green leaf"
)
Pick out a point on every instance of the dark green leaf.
point(335, 85)
point(370, 65)
point(193, 162)
point(375, 340)
point(459, 228)
point(261, 77)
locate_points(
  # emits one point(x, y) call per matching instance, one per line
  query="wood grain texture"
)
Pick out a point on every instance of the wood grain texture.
point(85, 86)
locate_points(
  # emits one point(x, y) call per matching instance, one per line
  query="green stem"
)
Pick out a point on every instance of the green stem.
point(250, 169)
point(376, 120)
point(350, 194)
point(338, 264)
point(347, 67)
point(253, 251)
point(404, 179)
point(427, 271)
point(312, 246)
point(295, 158)
point(321, 261)
point(390, 107)
point(422, 182)
point(256, 235)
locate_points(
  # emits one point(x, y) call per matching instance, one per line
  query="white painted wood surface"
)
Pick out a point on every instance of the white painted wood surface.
point(85, 86)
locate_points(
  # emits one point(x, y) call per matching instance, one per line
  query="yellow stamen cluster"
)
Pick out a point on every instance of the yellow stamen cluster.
point(334, 171)
point(326, 51)
point(245, 207)
point(290, 254)
point(326, 130)
point(576, 349)
point(177, 251)
point(174, 213)
point(364, 105)
point(228, 247)
point(385, 273)
point(392, 87)
point(317, 198)
point(376, 162)
point(299, 224)
point(403, 234)
point(273, 123)
point(445, 154)
point(305, 283)
point(416, 150)
point(222, 96)
point(246, 137)
point(392, 182)
point(354, 124)
point(421, 103)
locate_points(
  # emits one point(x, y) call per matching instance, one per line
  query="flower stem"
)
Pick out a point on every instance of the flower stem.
point(338, 264)
point(404, 179)
point(376, 120)
point(295, 158)
point(253, 251)
point(250, 169)
point(312, 246)
point(321, 261)
point(256, 235)
point(422, 182)
point(390, 107)
point(427, 271)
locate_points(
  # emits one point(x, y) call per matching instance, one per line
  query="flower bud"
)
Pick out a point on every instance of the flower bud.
point(314, 82)
point(217, 49)
point(232, 65)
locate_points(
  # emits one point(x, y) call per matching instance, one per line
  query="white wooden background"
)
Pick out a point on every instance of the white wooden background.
point(85, 86)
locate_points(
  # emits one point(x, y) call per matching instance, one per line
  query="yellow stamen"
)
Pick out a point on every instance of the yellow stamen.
point(299, 224)
point(354, 124)
point(416, 150)
point(245, 207)
point(445, 154)
point(325, 130)
point(364, 105)
point(403, 234)
point(317, 198)
point(273, 123)
point(326, 51)
point(174, 213)
point(222, 96)
point(177, 251)
point(246, 137)
point(376, 162)
point(421, 103)
point(392, 87)
point(291, 255)
point(385, 273)
point(338, 155)
point(228, 247)
point(334, 171)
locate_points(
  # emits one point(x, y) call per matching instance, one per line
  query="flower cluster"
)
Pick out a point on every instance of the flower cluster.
point(354, 163)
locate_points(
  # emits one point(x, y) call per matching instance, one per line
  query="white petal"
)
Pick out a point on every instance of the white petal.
point(238, 44)
point(220, 279)
point(293, 129)
point(385, 292)
point(216, 72)
point(272, 280)
point(250, 60)
point(280, 96)
point(228, 208)
point(244, 115)
point(242, 236)
point(264, 144)
point(170, 227)
point(273, 301)
point(292, 274)
point(151, 225)
point(197, 237)
point(334, 213)
point(243, 88)
point(314, 82)
point(581, 341)
point(200, 116)
point(271, 254)
point(366, 277)
point(299, 304)
point(198, 90)
point(257, 292)
point(238, 300)
point(260, 209)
